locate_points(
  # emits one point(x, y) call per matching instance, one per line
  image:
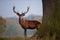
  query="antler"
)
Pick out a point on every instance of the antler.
point(23, 13)
point(27, 10)
point(14, 9)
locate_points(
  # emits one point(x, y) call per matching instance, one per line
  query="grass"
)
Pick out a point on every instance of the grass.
point(17, 38)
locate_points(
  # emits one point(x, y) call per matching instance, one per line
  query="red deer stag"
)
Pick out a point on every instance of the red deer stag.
point(27, 24)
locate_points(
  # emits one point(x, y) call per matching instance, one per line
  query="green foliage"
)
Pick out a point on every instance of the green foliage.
point(2, 24)
point(51, 20)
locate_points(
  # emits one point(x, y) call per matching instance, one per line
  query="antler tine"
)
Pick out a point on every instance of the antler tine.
point(14, 9)
point(27, 10)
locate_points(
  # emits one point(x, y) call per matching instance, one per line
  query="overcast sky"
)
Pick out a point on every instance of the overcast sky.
point(21, 5)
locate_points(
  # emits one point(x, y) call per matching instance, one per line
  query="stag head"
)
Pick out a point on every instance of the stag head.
point(22, 13)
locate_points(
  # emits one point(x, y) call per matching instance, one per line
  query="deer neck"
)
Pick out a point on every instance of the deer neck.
point(20, 20)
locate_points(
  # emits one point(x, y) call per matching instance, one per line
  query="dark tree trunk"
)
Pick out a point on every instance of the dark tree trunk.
point(50, 28)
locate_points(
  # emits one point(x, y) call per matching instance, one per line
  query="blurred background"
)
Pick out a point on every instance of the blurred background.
point(12, 26)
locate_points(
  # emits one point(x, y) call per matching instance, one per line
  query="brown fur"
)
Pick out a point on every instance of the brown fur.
point(29, 24)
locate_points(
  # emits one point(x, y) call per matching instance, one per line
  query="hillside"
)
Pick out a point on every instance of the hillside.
point(14, 29)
